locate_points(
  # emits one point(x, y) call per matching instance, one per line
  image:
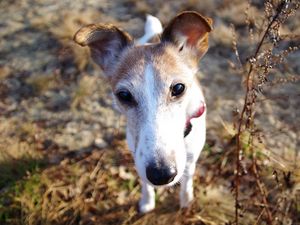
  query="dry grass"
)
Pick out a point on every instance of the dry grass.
point(42, 181)
point(101, 188)
point(86, 87)
point(267, 56)
point(43, 83)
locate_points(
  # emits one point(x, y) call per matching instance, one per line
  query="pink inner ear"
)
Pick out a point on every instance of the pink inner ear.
point(194, 33)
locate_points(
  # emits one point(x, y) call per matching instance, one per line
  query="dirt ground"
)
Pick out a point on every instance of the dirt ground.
point(63, 157)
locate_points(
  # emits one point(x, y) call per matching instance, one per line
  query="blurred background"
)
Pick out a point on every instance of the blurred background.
point(63, 157)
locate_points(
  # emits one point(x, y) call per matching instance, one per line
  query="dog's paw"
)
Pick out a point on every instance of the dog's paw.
point(186, 198)
point(146, 206)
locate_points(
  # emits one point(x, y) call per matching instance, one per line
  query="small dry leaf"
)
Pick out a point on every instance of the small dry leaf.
point(125, 175)
point(122, 197)
point(4, 72)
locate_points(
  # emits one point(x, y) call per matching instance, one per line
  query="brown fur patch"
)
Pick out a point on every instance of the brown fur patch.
point(165, 59)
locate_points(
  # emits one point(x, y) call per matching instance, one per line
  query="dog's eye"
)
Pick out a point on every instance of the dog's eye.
point(177, 89)
point(125, 97)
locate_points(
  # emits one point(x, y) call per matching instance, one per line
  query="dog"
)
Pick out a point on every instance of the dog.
point(155, 87)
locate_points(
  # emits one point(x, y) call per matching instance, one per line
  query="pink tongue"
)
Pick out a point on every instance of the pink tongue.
point(197, 114)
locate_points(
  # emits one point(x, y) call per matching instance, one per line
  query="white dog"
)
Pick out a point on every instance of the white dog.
point(155, 87)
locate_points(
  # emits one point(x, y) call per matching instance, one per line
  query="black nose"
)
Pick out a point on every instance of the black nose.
point(160, 174)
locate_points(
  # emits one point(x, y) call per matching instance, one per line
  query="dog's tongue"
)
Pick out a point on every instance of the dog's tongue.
point(197, 114)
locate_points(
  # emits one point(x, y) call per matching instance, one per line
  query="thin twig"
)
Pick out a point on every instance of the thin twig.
point(259, 216)
point(262, 191)
point(245, 105)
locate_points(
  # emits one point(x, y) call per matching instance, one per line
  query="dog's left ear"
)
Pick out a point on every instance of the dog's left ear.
point(189, 29)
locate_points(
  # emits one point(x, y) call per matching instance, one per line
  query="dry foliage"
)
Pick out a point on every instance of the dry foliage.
point(242, 176)
point(269, 54)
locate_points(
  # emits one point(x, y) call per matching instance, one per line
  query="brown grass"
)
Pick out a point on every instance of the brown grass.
point(43, 181)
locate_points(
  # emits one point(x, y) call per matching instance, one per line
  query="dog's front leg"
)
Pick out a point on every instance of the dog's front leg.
point(186, 186)
point(147, 202)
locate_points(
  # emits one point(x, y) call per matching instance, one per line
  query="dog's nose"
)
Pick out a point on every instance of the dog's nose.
point(160, 174)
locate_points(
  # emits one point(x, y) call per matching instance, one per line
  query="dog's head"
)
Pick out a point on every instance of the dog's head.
point(153, 86)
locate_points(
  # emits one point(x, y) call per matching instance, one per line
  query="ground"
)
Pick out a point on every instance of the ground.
point(63, 157)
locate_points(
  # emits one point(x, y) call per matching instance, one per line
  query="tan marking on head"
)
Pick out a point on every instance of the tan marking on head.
point(169, 60)
point(165, 59)
point(132, 63)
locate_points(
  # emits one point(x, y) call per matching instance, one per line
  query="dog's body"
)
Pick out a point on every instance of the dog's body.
point(155, 87)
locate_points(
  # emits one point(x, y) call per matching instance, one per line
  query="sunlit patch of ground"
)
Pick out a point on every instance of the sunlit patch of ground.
point(63, 157)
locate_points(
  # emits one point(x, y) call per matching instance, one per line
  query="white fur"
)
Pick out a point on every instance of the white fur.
point(155, 125)
point(161, 130)
point(156, 119)
point(152, 27)
point(161, 135)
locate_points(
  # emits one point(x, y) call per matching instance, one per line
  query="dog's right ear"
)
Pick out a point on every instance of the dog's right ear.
point(189, 29)
point(106, 43)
